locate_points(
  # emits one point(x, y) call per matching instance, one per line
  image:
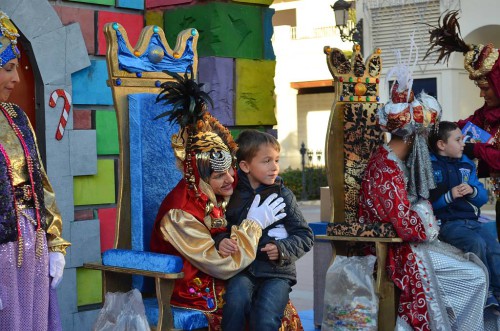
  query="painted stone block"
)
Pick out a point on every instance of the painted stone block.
point(107, 220)
point(89, 85)
point(97, 189)
point(217, 74)
point(154, 17)
point(107, 132)
point(97, 2)
point(89, 286)
point(255, 92)
point(70, 15)
point(82, 152)
point(256, 2)
point(231, 30)
point(165, 3)
point(132, 4)
point(133, 24)
point(84, 242)
point(82, 120)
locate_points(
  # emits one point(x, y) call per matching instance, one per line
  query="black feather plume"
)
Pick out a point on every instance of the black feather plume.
point(446, 37)
point(189, 103)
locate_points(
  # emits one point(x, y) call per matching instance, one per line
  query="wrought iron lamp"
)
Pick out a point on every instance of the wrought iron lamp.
point(348, 30)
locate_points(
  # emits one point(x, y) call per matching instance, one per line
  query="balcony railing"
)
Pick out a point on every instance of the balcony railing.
point(315, 33)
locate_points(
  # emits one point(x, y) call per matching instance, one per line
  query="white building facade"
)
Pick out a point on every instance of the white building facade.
point(304, 93)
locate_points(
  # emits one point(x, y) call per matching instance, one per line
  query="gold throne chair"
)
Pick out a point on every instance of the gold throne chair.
point(352, 136)
point(147, 170)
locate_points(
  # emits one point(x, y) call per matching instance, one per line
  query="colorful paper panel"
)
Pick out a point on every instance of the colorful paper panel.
point(132, 4)
point(89, 286)
point(255, 92)
point(89, 85)
point(226, 29)
point(133, 24)
point(107, 220)
point(97, 2)
point(83, 16)
point(97, 189)
point(107, 132)
point(165, 3)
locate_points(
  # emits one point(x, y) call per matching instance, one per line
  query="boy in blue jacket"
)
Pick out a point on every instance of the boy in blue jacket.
point(457, 200)
point(257, 296)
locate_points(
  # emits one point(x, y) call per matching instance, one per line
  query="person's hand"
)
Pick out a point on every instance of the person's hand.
point(228, 246)
point(279, 232)
point(272, 251)
point(461, 190)
point(469, 150)
point(56, 267)
point(267, 213)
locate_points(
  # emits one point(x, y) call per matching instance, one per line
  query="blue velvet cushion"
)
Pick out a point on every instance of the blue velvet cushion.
point(184, 319)
point(142, 260)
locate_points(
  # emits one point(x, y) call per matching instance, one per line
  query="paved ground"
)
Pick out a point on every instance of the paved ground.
point(302, 292)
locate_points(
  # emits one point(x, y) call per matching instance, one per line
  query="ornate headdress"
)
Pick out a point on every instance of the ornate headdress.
point(8, 40)
point(202, 145)
point(408, 116)
point(481, 61)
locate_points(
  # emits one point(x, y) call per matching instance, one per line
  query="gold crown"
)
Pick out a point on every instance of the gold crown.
point(354, 80)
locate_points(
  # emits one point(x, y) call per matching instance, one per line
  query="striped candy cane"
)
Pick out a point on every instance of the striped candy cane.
point(65, 113)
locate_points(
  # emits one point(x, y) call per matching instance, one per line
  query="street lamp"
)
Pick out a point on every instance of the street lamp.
point(348, 32)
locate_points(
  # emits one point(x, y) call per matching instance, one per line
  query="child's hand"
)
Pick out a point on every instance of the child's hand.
point(227, 247)
point(272, 251)
point(466, 189)
point(461, 190)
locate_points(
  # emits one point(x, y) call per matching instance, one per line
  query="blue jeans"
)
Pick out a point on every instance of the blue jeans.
point(256, 300)
point(472, 236)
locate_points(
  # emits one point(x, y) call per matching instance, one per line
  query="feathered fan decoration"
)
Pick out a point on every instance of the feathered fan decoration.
point(446, 38)
point(189, 102)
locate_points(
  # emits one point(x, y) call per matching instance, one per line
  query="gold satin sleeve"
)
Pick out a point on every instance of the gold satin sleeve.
point(193, 240)
point(16, 155)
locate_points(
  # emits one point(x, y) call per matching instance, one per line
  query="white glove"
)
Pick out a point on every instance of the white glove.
point(279, 232)
point(267, 213)
point(56, 267)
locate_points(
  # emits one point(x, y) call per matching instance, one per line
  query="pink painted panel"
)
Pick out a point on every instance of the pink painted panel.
point(107, 219)
point(83, 16)
point(150, 4)
point(132, 23)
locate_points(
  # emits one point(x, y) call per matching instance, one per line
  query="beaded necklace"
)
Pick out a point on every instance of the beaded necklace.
point(29, 161)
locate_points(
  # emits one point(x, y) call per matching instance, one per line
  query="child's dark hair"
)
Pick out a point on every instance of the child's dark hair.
point(442, 133)
point(250, 141)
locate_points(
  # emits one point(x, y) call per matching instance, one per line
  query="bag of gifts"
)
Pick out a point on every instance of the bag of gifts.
point(350, 299)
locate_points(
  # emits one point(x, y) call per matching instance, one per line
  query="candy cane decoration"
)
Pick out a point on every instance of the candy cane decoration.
point(65, 113)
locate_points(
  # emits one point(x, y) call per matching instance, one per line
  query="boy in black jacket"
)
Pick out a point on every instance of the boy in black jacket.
point(258, 295)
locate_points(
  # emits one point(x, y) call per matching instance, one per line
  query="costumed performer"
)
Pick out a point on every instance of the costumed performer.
point(194, 211)
point(483, 66)
point(441, 288)
point(31, 248)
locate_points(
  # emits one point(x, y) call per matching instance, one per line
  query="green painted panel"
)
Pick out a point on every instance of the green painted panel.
point(96, 189)
point(154, 17)
point(106, 133)
point(226, 29)
point(254, 100)
point(88, 286)
point(256, 2)
point(97, 2)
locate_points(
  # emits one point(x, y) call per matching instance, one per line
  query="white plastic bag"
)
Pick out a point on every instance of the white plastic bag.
point(122, 312)
point(350, 299)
